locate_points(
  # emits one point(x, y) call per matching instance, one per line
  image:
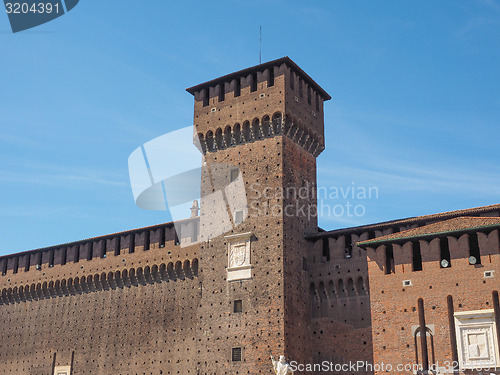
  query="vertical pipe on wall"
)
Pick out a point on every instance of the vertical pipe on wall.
point(423, 335)
point(496, 307)
point(72, 362)
point(453, 335)
point(53, 363)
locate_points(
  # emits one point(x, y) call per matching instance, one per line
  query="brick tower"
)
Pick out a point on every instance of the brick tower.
point(267, 122)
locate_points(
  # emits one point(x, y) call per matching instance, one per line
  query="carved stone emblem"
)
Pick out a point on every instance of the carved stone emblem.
point(238, 255)
point(239, 265)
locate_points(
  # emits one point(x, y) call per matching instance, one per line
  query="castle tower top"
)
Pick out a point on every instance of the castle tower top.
point(271, 99)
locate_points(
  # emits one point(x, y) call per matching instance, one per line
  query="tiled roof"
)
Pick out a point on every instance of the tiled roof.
point(455, 225)
point(411, 220)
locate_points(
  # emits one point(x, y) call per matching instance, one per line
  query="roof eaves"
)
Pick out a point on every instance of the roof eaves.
point(381, 240)
point(409, 220)
point(259, 67)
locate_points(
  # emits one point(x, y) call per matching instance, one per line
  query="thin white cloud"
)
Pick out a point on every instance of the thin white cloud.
point(83, 180)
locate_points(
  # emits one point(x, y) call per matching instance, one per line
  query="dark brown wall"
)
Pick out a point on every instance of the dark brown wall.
point(120, 314)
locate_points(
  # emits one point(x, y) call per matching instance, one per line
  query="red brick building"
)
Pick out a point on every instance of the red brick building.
point(159, 301)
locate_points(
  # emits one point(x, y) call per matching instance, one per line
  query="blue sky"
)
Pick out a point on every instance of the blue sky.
point(415, 109)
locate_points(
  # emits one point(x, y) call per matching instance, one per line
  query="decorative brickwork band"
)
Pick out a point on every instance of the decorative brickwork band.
point(261, 129)
point(112, 280)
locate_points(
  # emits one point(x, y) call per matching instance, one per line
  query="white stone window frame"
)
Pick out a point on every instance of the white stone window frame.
point(239, 265)
point(66, 370)
point(477, 322)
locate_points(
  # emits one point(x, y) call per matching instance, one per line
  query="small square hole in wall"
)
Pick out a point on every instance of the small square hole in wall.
point(407, 283)
point(488, 274)
point(236, 355)
point(238, 306)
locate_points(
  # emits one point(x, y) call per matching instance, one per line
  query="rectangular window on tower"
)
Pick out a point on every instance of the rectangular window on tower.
point(238, 217)
point(234, 174)
point(238, 306)
point(236, 355)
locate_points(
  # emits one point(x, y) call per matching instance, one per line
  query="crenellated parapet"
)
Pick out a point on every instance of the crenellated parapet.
point(162, 236)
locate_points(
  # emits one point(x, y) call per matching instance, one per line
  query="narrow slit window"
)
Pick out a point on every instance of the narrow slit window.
point(77, 253)
point(4, 267)
point(317, 102)
point(348, 246)
point(131, 247)
point(39, 262)
point(103, 249)
point(237, 88)
point(474, 251)
point(16, 264)
point(309, 95)
point(206, 97)
point(300, 87)
point(90, 251)
point(292, 80)
point(64, 255)
point(146, 240)
point(222, 92)
point(389, 260)
point(253, 86)
point(51, 258)
point(326, 248)
point(444, 252)
point(270, 77)
point(417, 256)
point(27, 264)
point(117, 246)
point(162, 237)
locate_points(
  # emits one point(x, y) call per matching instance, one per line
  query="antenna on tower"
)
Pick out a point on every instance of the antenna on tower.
point(260, 44)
